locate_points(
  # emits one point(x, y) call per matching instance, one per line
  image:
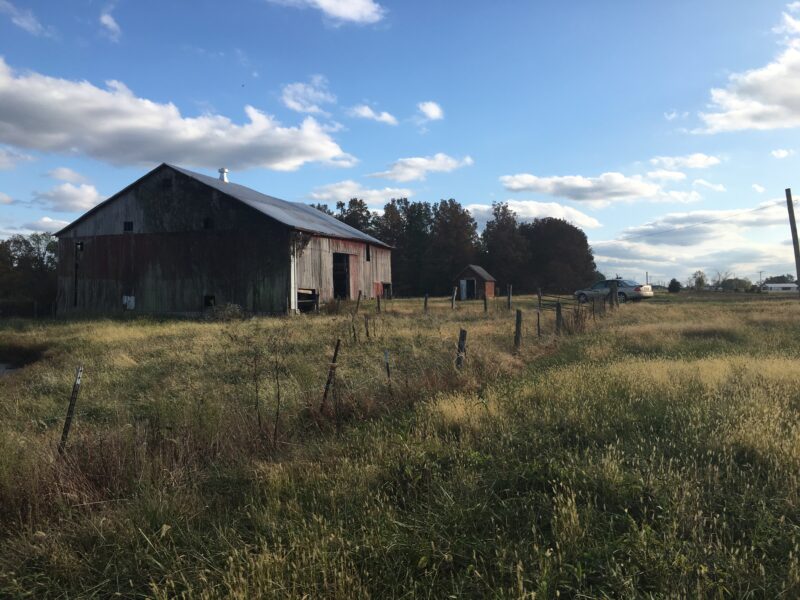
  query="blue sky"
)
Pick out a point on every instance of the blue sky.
point(652, 125)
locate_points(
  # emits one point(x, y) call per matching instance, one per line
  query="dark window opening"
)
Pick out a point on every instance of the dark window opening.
point(209, 302)
point(470, 289)
point(341, 275)
point(368, 254)
point(127, 226)
point(208, 223)
point(307, 301)
point(387, 289)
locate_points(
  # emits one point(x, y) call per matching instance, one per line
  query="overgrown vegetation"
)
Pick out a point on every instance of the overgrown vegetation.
point(655, 454)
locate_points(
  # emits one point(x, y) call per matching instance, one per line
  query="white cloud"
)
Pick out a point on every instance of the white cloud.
point(340, 11)
point(110, 26)
point(782, 153)
point(5, 198)
point(527, 210)
point(75, 117)
point(24, 19)
point(430, 110)
point(674, 114)
point(665, 175)
point(9, 158)
point(690, 161)
point(600, 190)
point(762, 98)
point(344, 190)
point(66, 174)
point(46, 224)
point(66, 197)
point(363, 111)
point(717, 187)
point(759, 189)
point(307, 97)
point(416, 168)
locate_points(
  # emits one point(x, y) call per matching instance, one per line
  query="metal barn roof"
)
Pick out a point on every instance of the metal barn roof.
point(479, 271)
point(296, 215)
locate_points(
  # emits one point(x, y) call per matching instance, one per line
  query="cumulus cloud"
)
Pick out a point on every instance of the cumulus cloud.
point(528, 210)
point(417, 168)
point(782, 153)
point(112, 124)
point(689, 161)
point(345, 190)
point(66, 197)
point(308, 97)
point(9, 158)
point(761, 98)
point(717, 187)
point(600, 190)
point(364, 111)
point(342, 11)
point(24, 19)
point(45, 224)
point(5, 198)
point(759, 189)
point(665, 175)
point(111, 28)
point(66, 174)
point(430, 111)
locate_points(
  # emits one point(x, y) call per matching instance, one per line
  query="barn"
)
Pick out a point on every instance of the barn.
point(179, 242)
point(474, 283)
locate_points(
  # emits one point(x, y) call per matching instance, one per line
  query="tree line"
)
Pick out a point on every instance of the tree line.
point(27, 273)
point(433, 242)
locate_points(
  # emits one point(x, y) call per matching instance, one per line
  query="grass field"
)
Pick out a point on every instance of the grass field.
point(654, 453)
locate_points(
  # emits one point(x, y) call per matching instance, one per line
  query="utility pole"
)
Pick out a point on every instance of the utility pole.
point(793, 225)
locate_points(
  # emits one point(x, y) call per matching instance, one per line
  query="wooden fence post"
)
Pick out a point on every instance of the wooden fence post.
point(614, 293)
point(518, 331)
point(485, 304)
point(508, 299)
point(462, 348)
point(539, 294)
point(358, 303)
point(538, 323)
point(593, 315)
point(366, 325)
point(379, 303)
point(558, 317)
point(386, 362)
point(425, 305)
point(331, 375)
point(76, 387)
point(453, 299)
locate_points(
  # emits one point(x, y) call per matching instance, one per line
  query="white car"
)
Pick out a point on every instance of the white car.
point(626, 290)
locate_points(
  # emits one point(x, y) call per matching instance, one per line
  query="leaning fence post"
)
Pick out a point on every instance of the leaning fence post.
point(508, 299)
point(425, 304)
point(76, 387)
point(453, 299)
point(358, 302)
point(518, 331)
point(331, 374)
point(366, 325)
point(462, 348)
point(558, 317)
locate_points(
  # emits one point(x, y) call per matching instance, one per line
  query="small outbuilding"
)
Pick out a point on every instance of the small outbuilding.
point(474, 283)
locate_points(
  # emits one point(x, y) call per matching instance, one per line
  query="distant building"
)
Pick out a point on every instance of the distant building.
point(474, 283)
point(779, 287)
point(179, 242)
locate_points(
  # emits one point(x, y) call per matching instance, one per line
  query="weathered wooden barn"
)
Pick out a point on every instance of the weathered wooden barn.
point(474, 283)
point(178, 242)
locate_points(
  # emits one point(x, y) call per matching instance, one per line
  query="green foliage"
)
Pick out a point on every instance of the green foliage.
point(28, 268)
point(674, 286)
point(788, 278)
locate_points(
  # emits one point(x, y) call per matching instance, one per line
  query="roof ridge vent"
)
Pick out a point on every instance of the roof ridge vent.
point(223, 174)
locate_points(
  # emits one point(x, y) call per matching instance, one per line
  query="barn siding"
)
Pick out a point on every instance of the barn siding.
point(315, 267)
point(170, 262)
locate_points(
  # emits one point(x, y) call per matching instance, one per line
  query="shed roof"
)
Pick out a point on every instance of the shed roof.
point(296, 215)
point(480, 272)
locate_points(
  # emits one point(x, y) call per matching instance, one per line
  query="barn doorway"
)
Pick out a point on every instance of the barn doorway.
point(470, 289)
point(341, 275)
